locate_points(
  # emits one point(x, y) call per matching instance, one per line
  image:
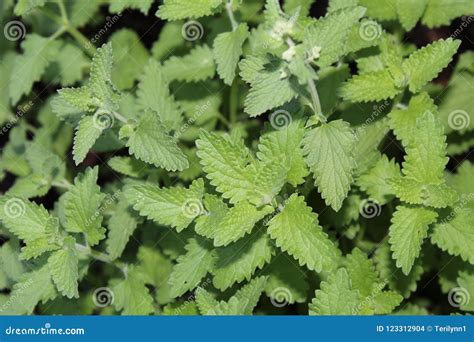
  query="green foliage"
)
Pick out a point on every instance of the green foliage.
point(245, 157)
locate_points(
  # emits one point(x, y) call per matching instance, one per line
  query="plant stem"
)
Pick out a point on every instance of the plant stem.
point(224, 120)
point(64, 184)
point(58, 33)
point(230, 13)
point(233, 102)
point(62, 9)
point(316, 103)
point(86, 45)
point(99, 256)
point(120, 117)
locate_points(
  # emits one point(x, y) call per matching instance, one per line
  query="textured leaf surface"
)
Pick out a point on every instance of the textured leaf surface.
point(176, 207)
point(81, 207)
point(63, 265)
point(329, 154)
point(296, 230)
point(192, 266)
point(425, 64)
point(131, 296)
point(38, 53)
point(180, 9)
point(335, 297)
point(408, 230)
point(150, 142)
point(227, 51)
point(196, 66)
point(455, 235)
point(31, 223)
point(373, 86)
point(240, 260)
point(153, 93)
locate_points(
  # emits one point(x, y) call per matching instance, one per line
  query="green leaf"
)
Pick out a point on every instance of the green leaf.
point(296, 230)
point(409, 12)
point(442, 12)
point(426, 63)
point(24, 6)
point(176, 207)
point(34, 287)
point(128, 166)
point(241, 260)
point(38, 53)
point(376, 180)
point(388, 271)
point(335, 297)
point(408, 230)
point(284, 143)
point(466, 283)
point(63, 265)
point(130, 55)
point(180, 9)
point(82, 207)
point(329, 151)
point(242, 303)
point(403, 121)
point(153, 93)
point(225, 165)
point(287, 282)
point(119, 6)
point(87, 133)
point(196, 66)
point(227, 50)
point(374, 86)
point(270, 89)
point(215, 211)
point(131, 296)
point(385, 12)
point(454, 234)
point(192, 266)
point(365, 280)
point(100, 82)
point(426, 151)
point(150, 142)
point(238, 221)
point(329, 34)
point(121, 226)
point(31, 223)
